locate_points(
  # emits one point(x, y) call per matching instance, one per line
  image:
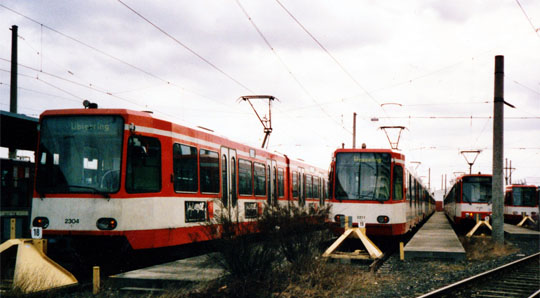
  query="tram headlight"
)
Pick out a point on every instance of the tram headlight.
point(106, 223)
point(42, 222)
point(383, 219)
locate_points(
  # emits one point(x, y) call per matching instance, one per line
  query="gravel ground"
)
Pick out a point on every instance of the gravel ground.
point(412, 278)
point(396, 278)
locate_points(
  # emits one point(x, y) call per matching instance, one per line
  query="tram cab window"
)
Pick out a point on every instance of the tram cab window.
point(185, 168)
point(79, 154)
point(209, 167)
point(143, 165)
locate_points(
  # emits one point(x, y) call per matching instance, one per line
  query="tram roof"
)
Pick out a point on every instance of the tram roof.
point(18, 131)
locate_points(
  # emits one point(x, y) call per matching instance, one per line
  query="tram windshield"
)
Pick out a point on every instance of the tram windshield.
point(363, 176)
point(524, 196)
point(477, 189)
point(79, 154)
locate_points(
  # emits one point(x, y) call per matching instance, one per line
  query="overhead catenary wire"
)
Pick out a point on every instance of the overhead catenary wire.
point(287, 68)
point(528, 19)
point(458, 117)
point(339, 64)
point(87, 45)
point(89, 86)
point(79, 98)
point(40, 92)
point(186, 47)
point(76, 40)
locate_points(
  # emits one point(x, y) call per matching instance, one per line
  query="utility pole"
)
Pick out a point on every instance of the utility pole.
point(508, 172)
point(429, 179)
point(13, 88)
point(354, 131)
point(511, 170)
point(497, 188)
point(445, 184)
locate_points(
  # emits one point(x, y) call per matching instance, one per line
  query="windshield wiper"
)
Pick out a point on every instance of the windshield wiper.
point(371, 198)
point(93, 189)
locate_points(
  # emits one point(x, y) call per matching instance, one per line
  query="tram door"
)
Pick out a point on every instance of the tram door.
point(271, 174)
point(229, 197)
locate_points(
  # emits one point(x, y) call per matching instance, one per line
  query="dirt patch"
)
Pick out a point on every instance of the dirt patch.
point(483, 248)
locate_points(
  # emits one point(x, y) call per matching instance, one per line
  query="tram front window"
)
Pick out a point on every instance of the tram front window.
point(79, 154)
point(524, 196)
point(363, 176)
point(477, 189)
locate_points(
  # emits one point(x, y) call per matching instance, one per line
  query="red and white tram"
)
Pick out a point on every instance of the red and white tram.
point(469, 197)
point(373, 187)
point(124, 176)
point(520, 200)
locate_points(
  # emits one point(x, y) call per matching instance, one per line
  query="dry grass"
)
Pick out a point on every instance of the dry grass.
point(481, 248)
point(334, 279)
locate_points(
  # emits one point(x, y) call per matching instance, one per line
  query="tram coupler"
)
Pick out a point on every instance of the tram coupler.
point(358, 233)
point(479, 223)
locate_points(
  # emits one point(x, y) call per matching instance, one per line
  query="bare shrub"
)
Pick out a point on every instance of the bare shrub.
point(247, 256)
point(263, 255)
point(298, 231)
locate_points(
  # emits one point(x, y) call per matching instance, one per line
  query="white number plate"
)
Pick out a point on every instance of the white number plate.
point(37, 232)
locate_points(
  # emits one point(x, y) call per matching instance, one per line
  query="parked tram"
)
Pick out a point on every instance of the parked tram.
point(126, 177)
point(374, 189)
point(469, 199)
point(520, 201)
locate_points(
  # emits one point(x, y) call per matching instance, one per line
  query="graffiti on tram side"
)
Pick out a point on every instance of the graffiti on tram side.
point(196, 211)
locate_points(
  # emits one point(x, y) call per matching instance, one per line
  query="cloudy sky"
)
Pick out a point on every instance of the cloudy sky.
point(424, 65)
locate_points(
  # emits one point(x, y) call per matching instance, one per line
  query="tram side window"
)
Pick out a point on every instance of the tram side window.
point(309, 187)
point(185, 168)
point(409, 190)
point(398, 183)
point(295, 184)
point(209, 167)
point(281, 183)
point(325, 189)
point(234, 197)
point(330, 190)
point(260, 179)
point(245, 177)
point(450, 198)
point(143, 165)
point(316, 187)
point(416, 189)
point(508, 198)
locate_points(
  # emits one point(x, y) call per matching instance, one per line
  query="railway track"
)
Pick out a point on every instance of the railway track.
point(520, 278)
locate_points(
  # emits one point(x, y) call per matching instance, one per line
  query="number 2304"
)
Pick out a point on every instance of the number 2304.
point(71, 221)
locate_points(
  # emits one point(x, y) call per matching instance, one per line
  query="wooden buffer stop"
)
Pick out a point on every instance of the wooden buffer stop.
point(479, 223)
point(370, 251)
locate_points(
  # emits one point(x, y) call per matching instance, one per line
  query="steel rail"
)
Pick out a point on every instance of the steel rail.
point(477, 278)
